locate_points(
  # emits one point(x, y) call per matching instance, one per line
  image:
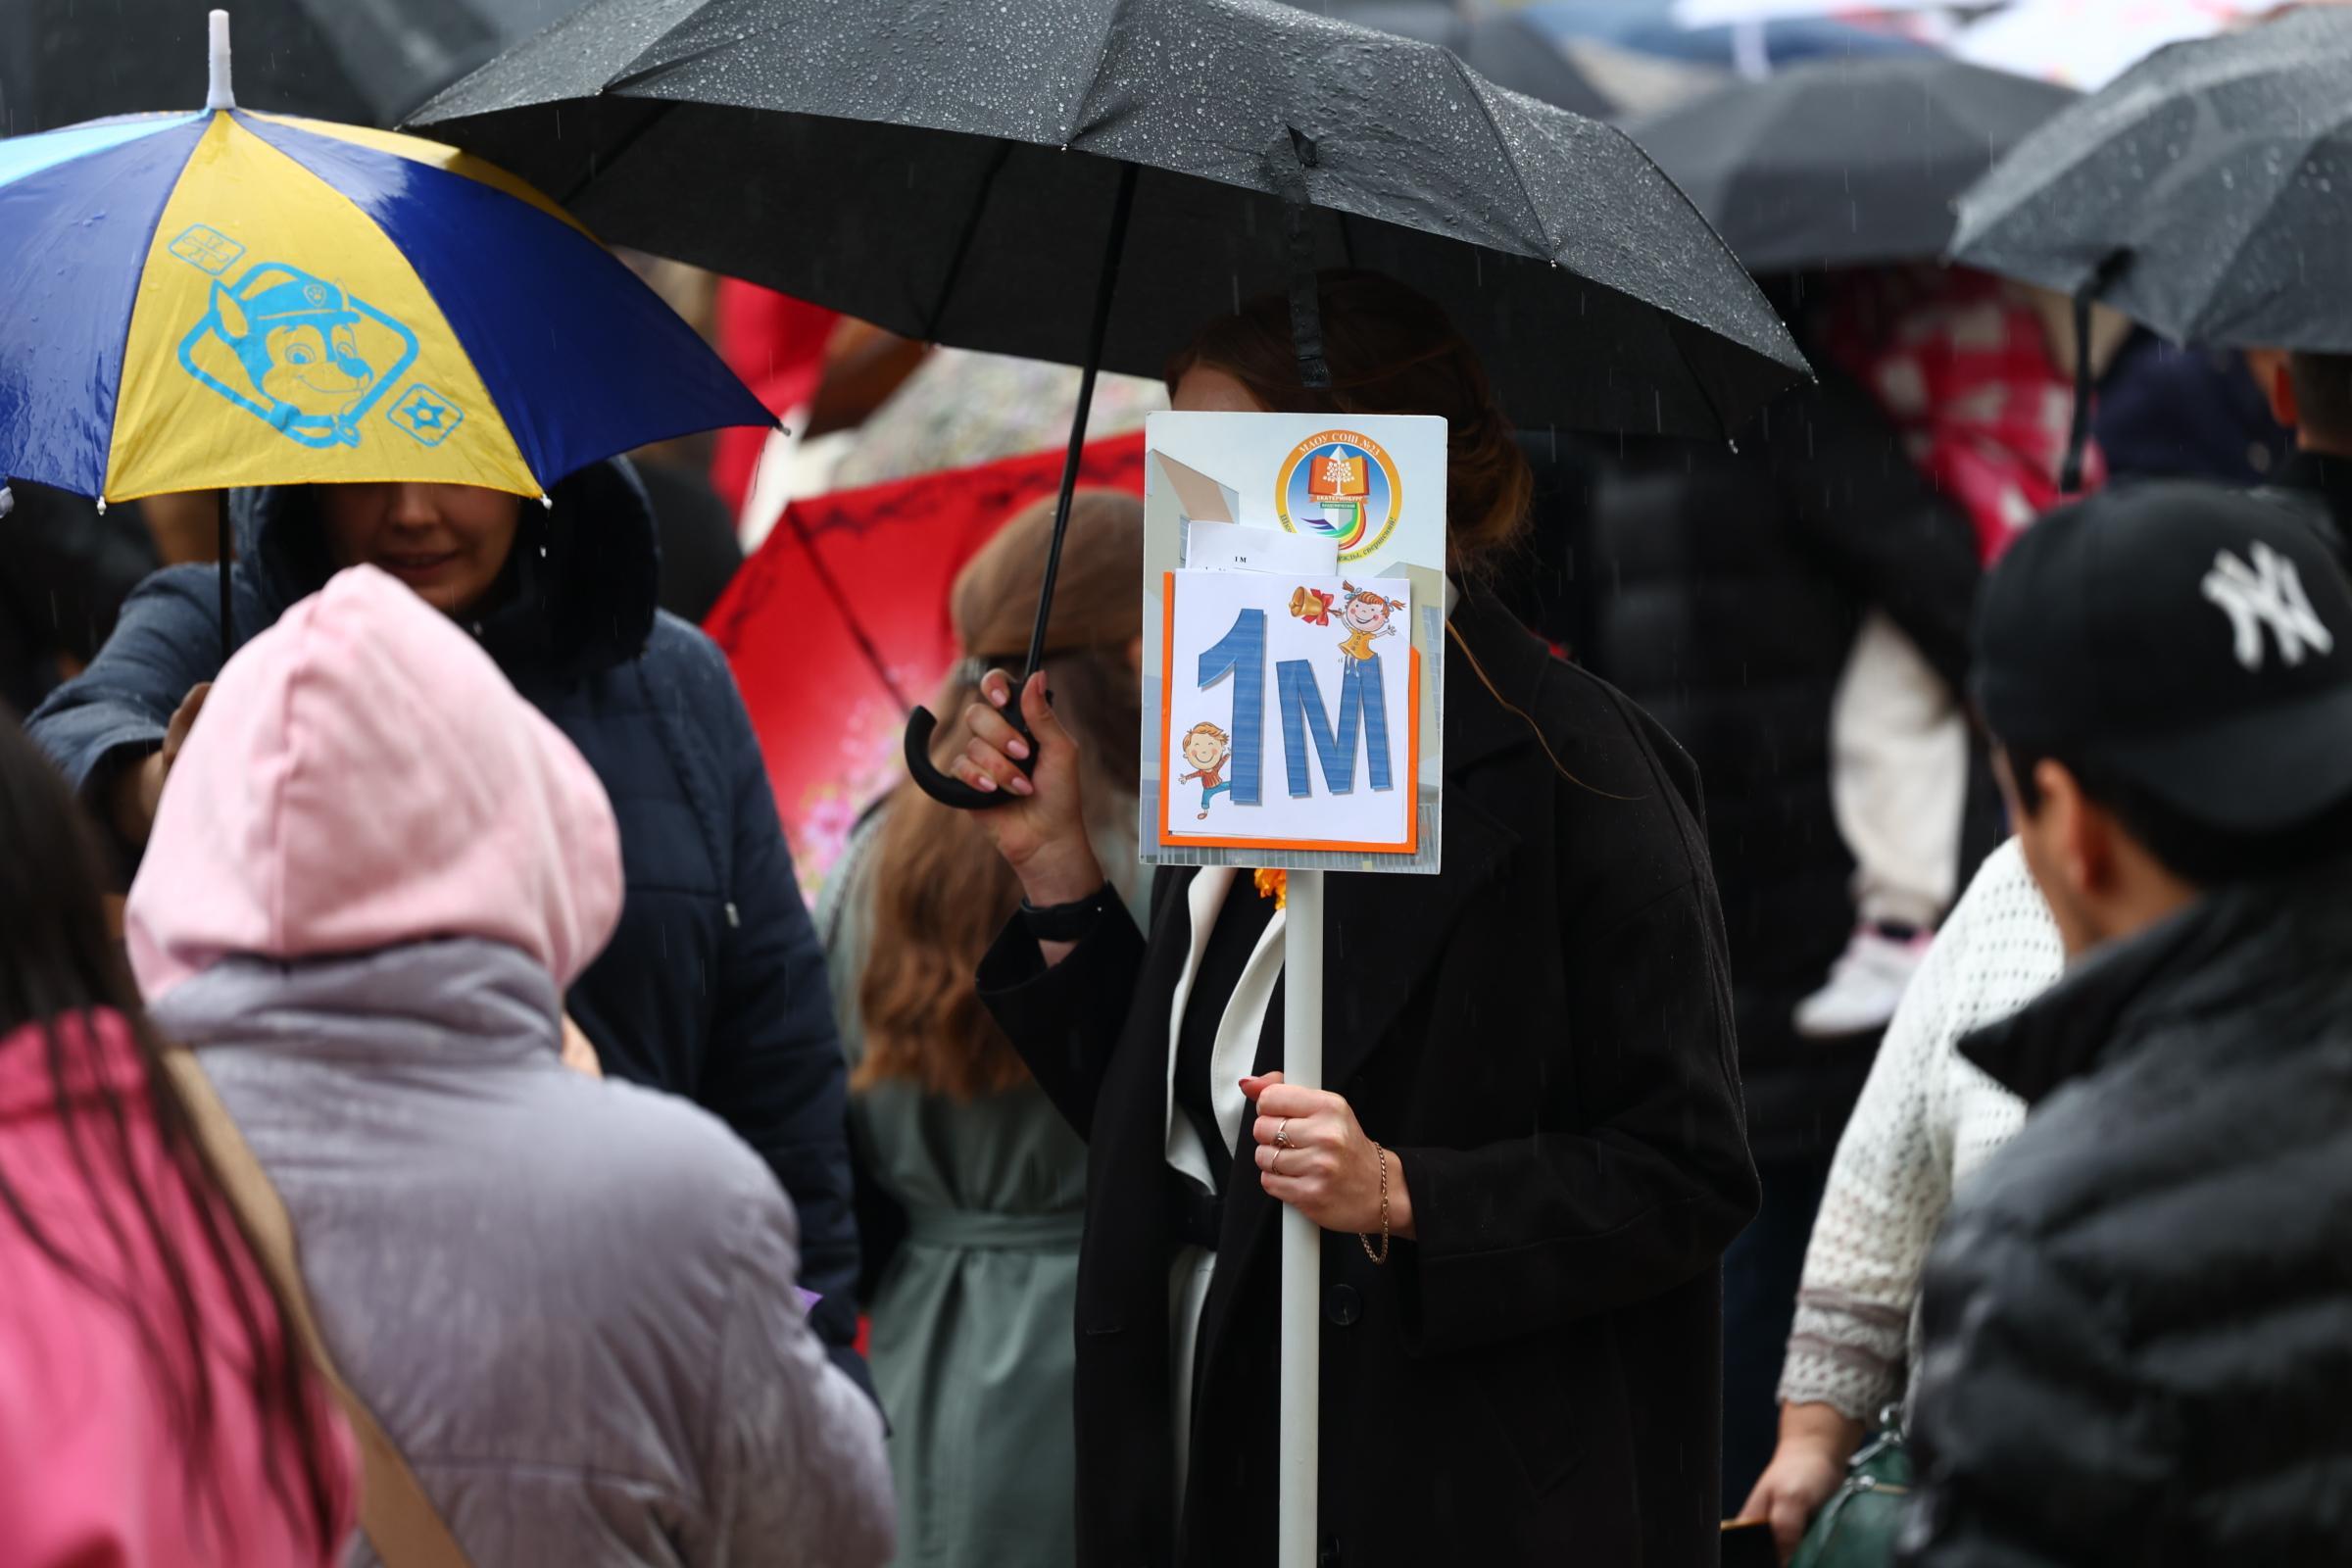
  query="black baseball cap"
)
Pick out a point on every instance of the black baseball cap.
point(2191, 641)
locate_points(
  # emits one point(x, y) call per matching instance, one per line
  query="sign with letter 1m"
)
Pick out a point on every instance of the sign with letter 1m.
point(1294, 602)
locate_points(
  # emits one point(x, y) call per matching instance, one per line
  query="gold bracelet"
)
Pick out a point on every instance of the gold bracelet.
point(1381, 1256)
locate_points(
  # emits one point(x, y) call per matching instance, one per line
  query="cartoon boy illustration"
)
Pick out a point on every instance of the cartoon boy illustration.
point(1206, 748)
point(1365, 615)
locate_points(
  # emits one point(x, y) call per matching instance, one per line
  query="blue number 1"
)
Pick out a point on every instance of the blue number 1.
point(1242, 653)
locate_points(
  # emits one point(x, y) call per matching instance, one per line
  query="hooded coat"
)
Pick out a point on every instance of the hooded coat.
point(2138, 1320)
point(713, 985)
point(569, 1302)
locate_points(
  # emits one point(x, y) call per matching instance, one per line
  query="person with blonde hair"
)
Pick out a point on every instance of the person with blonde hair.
point(958, 1152)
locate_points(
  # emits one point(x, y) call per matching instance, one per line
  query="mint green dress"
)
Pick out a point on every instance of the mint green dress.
point(971, 1335)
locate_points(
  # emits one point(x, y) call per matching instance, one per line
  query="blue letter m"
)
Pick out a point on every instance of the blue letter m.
point(1362, 709)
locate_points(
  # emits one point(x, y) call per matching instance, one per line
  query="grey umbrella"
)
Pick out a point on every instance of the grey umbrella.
point(967, 173)
point(1842, 163)
point(1507, 50)
point(2206, 192)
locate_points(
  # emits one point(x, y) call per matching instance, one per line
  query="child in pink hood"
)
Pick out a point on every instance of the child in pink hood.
point(569, 1302)
point(154, 1410)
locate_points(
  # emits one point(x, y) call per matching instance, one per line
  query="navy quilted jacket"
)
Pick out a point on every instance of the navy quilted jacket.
point(714, 987)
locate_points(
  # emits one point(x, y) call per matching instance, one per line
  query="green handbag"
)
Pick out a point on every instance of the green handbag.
point(1857, 1527)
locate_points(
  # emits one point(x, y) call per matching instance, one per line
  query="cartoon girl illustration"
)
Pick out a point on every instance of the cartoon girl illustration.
point(1365, 615)
point(1206, 748)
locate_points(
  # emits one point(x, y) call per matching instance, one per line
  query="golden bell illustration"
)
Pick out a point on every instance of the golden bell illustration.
point(1311, 606)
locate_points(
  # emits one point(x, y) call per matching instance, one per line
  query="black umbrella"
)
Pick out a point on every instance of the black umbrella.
point(366, 60)
point(967, 173)
point(2206, 192)
point(1844, 163)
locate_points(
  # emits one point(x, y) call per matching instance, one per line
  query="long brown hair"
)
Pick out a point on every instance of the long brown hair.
point(941, 891)
point(58, 966)
point(1391, 351)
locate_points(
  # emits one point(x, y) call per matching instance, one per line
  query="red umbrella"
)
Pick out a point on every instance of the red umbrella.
point(777, 345)
point(838, 623)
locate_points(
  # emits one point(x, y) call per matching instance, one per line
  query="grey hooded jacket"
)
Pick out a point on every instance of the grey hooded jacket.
point(570, 1302)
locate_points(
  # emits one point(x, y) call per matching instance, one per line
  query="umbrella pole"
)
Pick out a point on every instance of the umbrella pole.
point(228, 630)
point(1297, 1406)
point(2078, 435)
point(921, 725)
point(1107, 284)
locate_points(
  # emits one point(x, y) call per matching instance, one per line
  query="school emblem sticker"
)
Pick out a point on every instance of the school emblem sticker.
point(292, 348)
point(1340, 485)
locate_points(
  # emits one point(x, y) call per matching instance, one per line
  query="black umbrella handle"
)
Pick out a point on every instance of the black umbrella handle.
point(920, 724)
point(945, 788)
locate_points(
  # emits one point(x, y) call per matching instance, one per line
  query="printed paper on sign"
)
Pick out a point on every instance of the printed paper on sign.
point(1288, 713)
point(1219, 547)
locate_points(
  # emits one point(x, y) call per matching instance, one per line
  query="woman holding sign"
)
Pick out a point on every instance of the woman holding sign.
point(1535, 1126)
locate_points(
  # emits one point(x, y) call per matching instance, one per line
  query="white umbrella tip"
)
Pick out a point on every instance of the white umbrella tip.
point(217, 95)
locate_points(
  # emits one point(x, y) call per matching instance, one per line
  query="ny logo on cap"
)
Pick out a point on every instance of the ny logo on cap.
point(2268, 593)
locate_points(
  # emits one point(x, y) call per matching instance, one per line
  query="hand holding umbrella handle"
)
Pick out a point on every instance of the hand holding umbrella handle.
point(947, 791)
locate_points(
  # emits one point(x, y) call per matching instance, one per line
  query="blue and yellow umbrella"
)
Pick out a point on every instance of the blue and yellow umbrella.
point(200, 301)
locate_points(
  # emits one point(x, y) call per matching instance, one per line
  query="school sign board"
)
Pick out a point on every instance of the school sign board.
point(1294, 641)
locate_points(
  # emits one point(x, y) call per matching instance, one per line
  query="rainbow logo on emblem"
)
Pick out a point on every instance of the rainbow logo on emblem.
point(1340, 485)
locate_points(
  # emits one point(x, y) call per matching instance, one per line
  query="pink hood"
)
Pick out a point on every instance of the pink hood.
point(363, 776)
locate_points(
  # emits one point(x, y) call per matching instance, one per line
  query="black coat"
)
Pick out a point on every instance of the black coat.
point(2138, 1320)
point(712, 987)
point(1543, 1033)
point(1721, 589)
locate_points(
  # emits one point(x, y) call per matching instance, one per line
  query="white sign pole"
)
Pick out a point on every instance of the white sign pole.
point(1298, 1409)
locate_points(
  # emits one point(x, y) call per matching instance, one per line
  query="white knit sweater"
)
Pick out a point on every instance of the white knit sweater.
point(1926, 1123)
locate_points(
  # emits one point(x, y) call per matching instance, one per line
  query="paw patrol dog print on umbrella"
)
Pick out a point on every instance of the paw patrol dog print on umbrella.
point(201, 301)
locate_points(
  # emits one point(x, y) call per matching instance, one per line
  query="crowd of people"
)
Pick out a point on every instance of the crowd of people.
point(1884, 997)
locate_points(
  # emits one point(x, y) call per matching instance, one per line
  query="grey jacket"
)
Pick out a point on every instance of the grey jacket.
point(570, 1302)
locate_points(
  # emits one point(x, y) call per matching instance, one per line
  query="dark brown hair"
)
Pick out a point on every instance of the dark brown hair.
point(941, 891)
point(1391, 351)
point(58, 967)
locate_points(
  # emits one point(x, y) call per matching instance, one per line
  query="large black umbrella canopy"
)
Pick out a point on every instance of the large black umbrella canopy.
point(2206, 192)
point(1844, 163)
point(366, 60)
point(950, 170)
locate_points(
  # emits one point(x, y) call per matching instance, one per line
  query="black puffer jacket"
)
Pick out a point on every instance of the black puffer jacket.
point(2138, 1322)
point(1720, 589)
